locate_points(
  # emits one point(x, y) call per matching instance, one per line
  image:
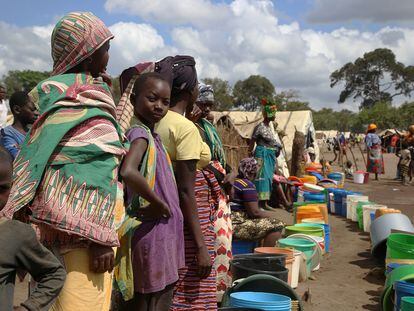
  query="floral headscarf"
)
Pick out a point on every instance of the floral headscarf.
point(205, 93)
point(269, 107)
point(248, 168)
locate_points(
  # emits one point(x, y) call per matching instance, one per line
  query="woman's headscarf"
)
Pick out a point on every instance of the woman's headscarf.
point(205, 93)
point(75, 37)
point(247, 168)
point(179, 70)
point(269, 108)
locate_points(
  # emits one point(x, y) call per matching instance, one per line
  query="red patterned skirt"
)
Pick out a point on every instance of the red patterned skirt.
point(192, 293)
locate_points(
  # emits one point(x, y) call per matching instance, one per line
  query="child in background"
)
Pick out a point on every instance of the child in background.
point(24, 114)
point(349, 171)
point(20, 249)
point(157, 243)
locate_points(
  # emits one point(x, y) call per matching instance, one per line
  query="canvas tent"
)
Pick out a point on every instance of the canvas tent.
point(244, 122)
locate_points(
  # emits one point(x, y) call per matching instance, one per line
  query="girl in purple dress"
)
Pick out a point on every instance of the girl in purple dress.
point(157, 245)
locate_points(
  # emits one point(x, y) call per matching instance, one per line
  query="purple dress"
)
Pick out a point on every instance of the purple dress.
point(158, 246)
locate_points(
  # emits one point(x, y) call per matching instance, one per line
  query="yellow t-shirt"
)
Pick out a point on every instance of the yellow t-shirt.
point(182, 139)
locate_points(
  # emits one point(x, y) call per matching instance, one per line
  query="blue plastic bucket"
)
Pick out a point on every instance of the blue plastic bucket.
point(262, 301)
point(402, 289)
point(344, 203)
point(316, 174)
point(314, 197)
point(338, 195)
point(243, 247)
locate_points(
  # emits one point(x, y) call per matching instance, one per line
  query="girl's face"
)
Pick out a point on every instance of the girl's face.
point(153, 101)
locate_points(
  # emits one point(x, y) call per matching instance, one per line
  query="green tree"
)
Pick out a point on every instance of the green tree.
point(248, 93)
point(383, 114)
point(116, 91)
point(17, 80)
point(290, 101)
point(222, 93)
point(373, 78)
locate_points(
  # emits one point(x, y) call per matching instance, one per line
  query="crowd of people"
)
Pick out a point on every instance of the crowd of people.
point(128, 205)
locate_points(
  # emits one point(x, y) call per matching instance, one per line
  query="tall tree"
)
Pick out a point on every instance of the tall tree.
point(290, 101)
point(373, 78)
point(222, 93)
point(248, 93)
point(17, 80)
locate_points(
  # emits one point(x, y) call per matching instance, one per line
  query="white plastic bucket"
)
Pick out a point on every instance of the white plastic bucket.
point(295, 269)
point(353, 202)
point(367, 209)
point(350, 208)
point(359, 177)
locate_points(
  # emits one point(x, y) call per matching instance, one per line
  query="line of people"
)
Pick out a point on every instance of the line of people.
point(163, 242)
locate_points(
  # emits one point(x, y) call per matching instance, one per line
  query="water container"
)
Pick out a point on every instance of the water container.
point(304, 229)
point(359, 177)
point(338, 177)
point(241, 269)
point(402, 289)
point(314, 197)
point(338, 195)
point(400, 246)
point(243, 247)
point(279, 258)
point(263, 283)
point(261, 300)
point(407, 303)
point(305, 246)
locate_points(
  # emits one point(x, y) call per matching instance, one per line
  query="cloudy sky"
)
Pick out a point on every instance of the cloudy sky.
point(295, 43)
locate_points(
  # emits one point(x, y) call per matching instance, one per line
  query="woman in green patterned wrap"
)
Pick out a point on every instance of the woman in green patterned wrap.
point(66, 172)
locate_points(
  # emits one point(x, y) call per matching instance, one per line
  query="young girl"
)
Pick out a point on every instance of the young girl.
point(157, 244)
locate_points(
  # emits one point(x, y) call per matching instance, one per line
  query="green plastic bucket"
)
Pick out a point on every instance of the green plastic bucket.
point(400, 246)
point(407, 303)
point(402, 273)
point(305, 246)
point(360, 212)
point(304, 229)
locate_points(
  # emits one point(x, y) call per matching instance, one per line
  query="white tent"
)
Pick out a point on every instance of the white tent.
point(286, 121)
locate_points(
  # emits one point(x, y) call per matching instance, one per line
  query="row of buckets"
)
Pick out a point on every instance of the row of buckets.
point(392, 240)
point(291, 261)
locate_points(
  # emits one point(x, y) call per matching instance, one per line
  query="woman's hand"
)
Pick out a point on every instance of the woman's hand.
point(204, 264)
point(101, 258)
point(155, 211)
point(196, 114)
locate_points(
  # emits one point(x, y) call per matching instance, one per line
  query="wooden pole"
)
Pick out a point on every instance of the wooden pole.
point(363, 156)
point(353, 157)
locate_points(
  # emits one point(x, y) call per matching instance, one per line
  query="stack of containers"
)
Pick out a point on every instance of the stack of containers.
point(353, 203)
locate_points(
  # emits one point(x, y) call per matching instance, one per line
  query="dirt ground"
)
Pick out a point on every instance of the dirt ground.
point(346, 279)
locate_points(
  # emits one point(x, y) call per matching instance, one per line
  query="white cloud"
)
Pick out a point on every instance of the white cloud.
point(199, 12)
point(232, 41)
point(377, 11)
point(24, 48)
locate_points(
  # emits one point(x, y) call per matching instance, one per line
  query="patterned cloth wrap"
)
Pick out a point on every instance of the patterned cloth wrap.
point(81, 202)
point(75, 37)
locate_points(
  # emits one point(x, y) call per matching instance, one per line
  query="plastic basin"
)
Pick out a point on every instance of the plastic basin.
point(242, 268)
point(305, 229)
point(402, 289)
point(407, 303)
point(402, 273)
point(400, 246)
point(381, 229)
point(264, 301)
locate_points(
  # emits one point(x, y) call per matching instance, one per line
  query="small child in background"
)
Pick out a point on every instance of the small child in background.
point(21, 250)
point(349, 170)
